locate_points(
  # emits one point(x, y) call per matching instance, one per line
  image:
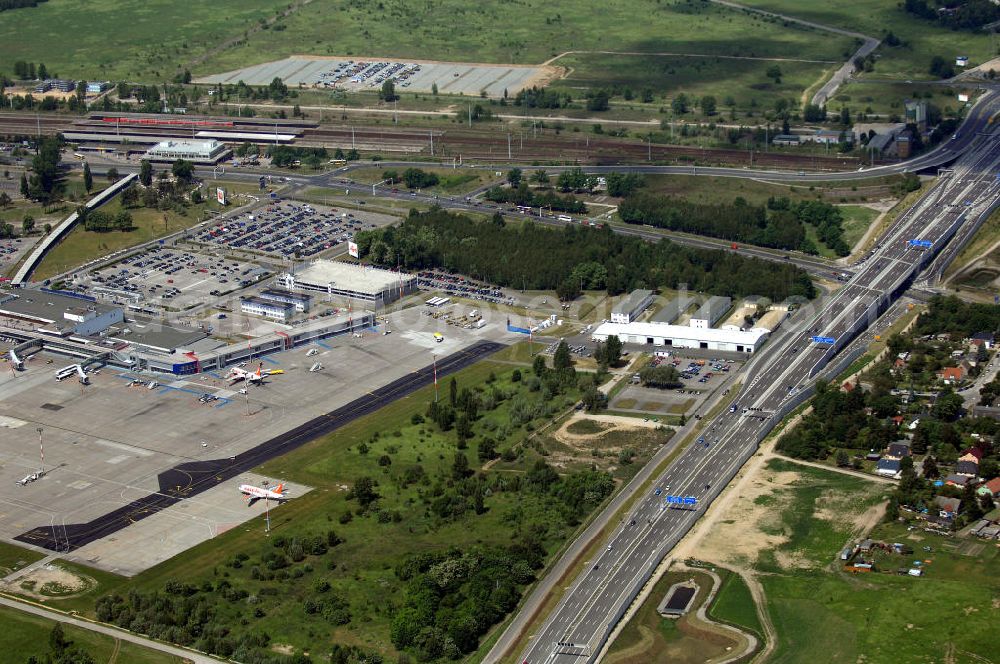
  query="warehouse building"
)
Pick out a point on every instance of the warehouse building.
point(671, 311)
point(58, 314)
point(629, 309)
point(350, 281)
point(683, 336)
point(270, 309)
point(301, 301)
point(709, 314)
point(199, 152)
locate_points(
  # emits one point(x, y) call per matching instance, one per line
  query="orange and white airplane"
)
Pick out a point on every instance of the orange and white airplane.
point(254, 493)
point(236, 374)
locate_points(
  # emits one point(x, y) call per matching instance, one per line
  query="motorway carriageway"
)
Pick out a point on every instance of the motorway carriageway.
point(593, 606)
point(189, 479)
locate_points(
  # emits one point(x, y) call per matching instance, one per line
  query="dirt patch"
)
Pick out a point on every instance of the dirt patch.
point(283, 648)
point(50, 581)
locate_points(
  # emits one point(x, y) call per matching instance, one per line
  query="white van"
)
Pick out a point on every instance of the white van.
point(565, 217)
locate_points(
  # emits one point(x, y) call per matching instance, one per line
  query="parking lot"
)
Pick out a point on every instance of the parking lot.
point(107, 442)
point(456, 284)
point(288, 228)
point(369, 74)
point(12, 250)
point(170, 277)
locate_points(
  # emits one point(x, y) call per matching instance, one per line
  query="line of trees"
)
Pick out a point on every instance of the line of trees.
point(779, 224)
point(522, 194)
point(950, 315)
point(969, 15)
point(534, 257)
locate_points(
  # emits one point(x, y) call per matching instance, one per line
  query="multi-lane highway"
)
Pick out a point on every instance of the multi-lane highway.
point(579, 626)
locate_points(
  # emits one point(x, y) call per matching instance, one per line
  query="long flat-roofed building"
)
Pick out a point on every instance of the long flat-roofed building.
point(629, 309)
point(347, 280)
point(61, 315)
point(683, 336)
point(199, 152)
point(710, 312)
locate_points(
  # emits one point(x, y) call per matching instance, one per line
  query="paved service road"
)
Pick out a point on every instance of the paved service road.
point(176, 651)
point(579, 627)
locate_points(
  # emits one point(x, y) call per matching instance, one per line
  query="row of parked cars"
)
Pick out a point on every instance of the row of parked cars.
point(457, 285)
point(286, 229)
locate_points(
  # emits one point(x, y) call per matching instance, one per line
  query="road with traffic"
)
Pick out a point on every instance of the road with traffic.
point(778, 380)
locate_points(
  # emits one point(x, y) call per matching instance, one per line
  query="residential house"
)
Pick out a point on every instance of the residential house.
point(957, 480)
point(898, 365)
point(947, 507)
point(889, 468)
point(991, 488)
point(952, 375)
point(967, 465)
point(898, 450)
point(983, 338)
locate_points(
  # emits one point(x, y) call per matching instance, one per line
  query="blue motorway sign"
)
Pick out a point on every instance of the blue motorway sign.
point(823, 340)
point(681, 500)
point(920, 243)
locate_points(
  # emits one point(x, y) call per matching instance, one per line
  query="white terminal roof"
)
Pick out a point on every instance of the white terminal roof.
point(747, 338)
point(360, 278)
point(191, 148)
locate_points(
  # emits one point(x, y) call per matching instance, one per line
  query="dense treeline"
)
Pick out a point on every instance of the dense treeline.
point(18, 4)
point(950, 315)
point(535, 97)
point(283, 156)
point(522, 194)
point(452, 598)
point(535, 257)
point(969, 15)
point(779, 224)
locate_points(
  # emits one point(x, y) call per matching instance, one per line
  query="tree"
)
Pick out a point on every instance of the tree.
point(594, 400)
point(434, 89)
point(514, 177)
point(774, 73)
point(112, 174)
point(561, 359)
point(5, 199)
point(460, 466)
point(183, 170)
point(679, 105)
point(538, 365)
point(931, 470)
point(598, 101)
point(364, 491)
point(540, 176)
point(27, 224)
point(24, 185)
point(708, 105)
point(88, 178)
point(613, 350)
point(45, 182)
point(388, 91)
point(145, 173)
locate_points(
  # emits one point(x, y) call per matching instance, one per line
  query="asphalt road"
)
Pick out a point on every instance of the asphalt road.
point(598, 598)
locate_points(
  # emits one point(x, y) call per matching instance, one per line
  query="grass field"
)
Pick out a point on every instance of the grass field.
point(734, 604)
point(886, 99)
point(385, 445)
point(922, 39)
point(25, 635)
point(712, 189)
point(165, 38)
point(822, 613)
point(13, 558)
point(451, 181)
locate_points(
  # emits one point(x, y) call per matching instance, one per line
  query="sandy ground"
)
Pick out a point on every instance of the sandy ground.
point(70, 583)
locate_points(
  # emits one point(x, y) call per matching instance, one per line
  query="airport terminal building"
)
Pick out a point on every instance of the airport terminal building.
point(60, 315)
point(350, 281)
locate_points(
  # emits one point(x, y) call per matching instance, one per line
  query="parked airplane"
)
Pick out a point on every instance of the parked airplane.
point(255, 493)
point(236, 374)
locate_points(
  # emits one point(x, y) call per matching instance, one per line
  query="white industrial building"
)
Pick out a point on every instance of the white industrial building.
point(61, 315)
point(300, 301)
point(709, 314)
point(683, 336)
point(629, 309)
point(271, 309)
point(347, 280)
point(199, 152)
